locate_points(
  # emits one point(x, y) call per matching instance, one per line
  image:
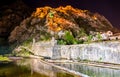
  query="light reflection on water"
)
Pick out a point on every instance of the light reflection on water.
point(91, 70)
point(31, 68)
point(36, 68)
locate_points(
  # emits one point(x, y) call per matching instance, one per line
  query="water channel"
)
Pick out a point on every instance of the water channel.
point(91, 71)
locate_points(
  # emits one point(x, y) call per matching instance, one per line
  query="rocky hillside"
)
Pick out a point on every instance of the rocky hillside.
point(47, 22)
point(11, 15)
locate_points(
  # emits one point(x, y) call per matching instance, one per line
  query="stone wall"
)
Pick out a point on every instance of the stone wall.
point(102, 51)
point(44, 48)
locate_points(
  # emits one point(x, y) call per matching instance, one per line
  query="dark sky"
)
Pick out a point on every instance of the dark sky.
point(109, 8)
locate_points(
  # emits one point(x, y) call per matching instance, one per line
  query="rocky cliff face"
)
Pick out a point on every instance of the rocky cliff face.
point(11, 15)
point(47, 21)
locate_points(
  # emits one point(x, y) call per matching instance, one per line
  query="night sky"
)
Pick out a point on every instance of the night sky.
point(109, 8)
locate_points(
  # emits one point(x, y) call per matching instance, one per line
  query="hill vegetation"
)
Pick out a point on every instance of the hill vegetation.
point(65, 24)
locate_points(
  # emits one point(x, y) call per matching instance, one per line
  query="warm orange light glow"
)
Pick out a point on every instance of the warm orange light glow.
point(53, 20)
point(94, 17)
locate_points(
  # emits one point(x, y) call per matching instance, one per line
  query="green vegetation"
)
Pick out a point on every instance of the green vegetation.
point(61, 42)
point(78, 59)
point(51, 14)
point(68, 39)
point(27, 42)
point(23, 52)
point(84, 60)
point(99, 37)
point(2, 58)
point(100, 59)
point(89, 39)
point(45, 36)
point(81, 33)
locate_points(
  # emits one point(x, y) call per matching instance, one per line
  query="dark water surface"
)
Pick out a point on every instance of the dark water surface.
point(91, 70)
point(30, 68)
point(4, 46)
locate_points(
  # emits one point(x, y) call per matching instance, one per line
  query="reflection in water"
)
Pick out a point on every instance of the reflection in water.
point(36, 68)
point(30, 68)
point(92, 71)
